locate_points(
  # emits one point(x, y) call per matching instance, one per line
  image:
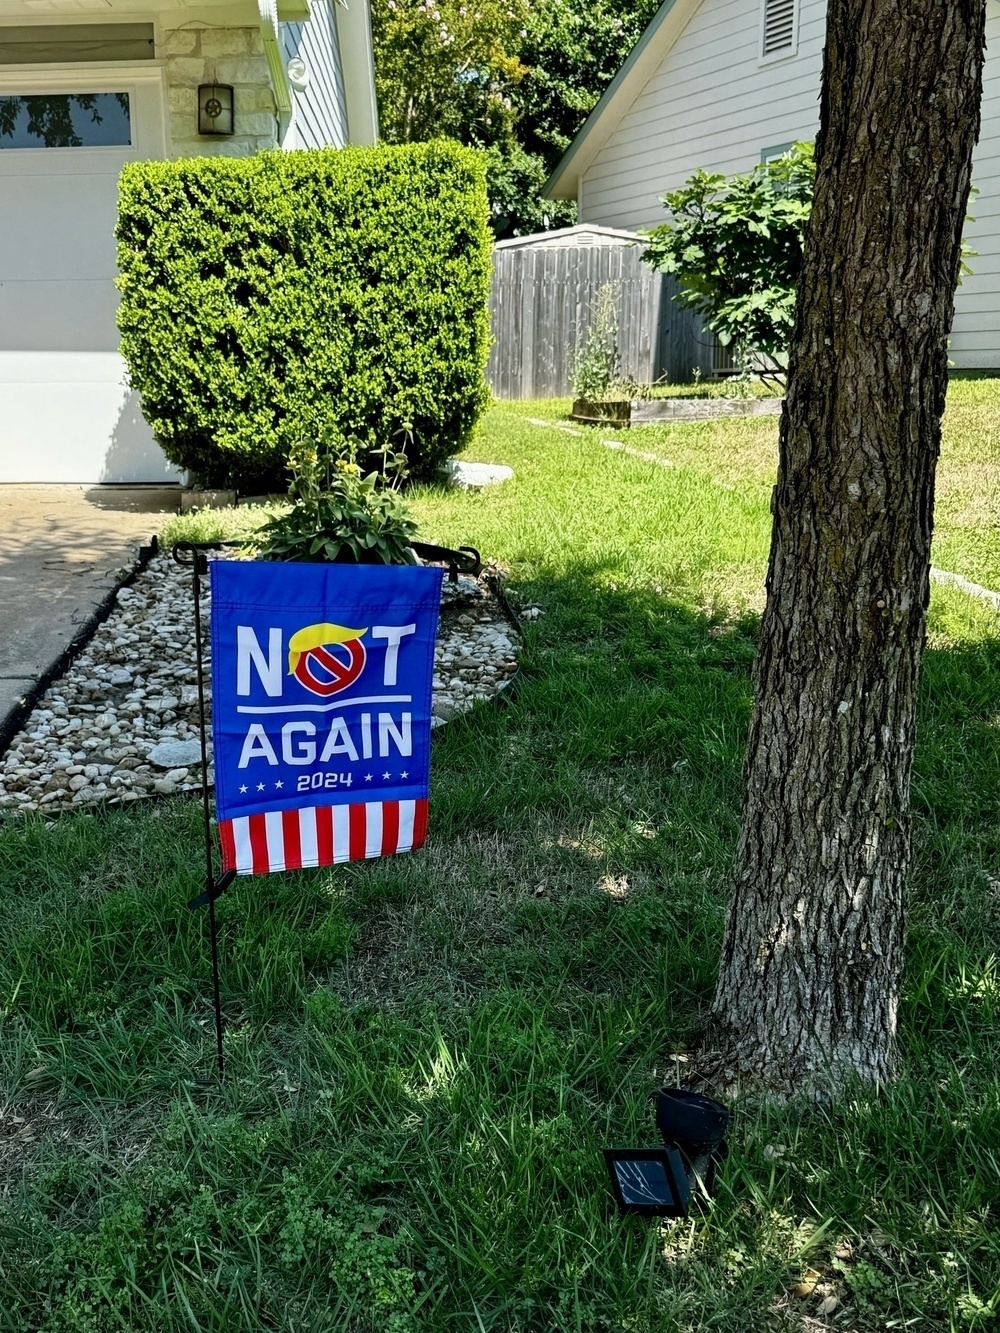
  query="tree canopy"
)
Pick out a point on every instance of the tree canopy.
point(515, 79)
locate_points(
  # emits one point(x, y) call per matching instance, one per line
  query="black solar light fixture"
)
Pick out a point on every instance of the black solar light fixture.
point(649, 1181)
point(695, 1126)
point(658, 1182)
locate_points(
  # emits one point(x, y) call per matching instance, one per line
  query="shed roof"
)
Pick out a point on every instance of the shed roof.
point(584, 234)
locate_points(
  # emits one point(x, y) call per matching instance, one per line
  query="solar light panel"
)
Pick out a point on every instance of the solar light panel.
point(649, 1181)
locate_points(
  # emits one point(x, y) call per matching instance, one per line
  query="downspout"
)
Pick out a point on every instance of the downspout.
point(275, 57)
point(354, 37)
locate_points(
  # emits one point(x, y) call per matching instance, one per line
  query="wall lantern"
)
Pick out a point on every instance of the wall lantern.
point(658, 1182)
point(215, 109)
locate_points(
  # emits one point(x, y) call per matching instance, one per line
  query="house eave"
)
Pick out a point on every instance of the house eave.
point(666, 26)
point(227, 13)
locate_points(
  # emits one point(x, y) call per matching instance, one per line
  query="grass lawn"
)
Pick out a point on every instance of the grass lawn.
point(426, 1054)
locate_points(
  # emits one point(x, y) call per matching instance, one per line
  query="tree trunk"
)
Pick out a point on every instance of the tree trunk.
point(813, 949)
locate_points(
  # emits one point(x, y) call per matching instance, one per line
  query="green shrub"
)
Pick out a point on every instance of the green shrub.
point(735, 246)
point(597, 363)
point(324, 294)
point(339, 513)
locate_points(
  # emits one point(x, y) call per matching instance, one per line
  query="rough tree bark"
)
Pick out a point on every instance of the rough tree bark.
point(813, 949)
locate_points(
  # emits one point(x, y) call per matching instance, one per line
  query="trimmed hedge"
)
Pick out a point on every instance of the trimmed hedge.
point(323, 293)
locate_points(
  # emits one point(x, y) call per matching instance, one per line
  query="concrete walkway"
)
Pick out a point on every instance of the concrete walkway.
point(62, 548)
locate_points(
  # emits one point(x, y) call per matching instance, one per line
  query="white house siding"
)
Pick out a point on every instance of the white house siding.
point(712, 104)
point(320, 110)
point(975, 339)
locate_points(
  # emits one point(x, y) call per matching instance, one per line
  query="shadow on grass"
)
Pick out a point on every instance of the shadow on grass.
point(426, 1053)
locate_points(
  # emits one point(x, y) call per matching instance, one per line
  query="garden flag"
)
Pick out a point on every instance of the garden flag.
point(321, 710)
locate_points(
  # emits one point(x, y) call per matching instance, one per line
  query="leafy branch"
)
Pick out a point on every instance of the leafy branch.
point(735, 246)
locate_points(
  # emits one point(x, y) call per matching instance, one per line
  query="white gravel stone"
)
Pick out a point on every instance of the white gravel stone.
point(98, 732)
point(176, 754)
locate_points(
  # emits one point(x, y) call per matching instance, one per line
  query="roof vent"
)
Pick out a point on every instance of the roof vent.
point(779, 26)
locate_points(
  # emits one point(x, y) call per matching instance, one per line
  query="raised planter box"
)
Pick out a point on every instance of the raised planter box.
point(601, 413)
point(196, 499)
point(646, 411)
point(653, 411)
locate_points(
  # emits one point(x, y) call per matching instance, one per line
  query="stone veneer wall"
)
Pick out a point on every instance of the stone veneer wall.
point(199, 54)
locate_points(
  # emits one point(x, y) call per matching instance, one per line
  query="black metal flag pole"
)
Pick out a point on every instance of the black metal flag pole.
point(214, 888)
point(466, 559)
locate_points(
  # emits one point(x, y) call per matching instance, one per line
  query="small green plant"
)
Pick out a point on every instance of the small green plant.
point(597, 372)
point(597, 365)
point(741, 385)
point(340, 513)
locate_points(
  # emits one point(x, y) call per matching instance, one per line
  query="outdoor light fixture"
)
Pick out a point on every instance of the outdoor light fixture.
point(215, 109)
point(695, 1126)
point(298, 74)
point(657, 1182)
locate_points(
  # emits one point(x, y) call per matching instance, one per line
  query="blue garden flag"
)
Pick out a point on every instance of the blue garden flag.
point(321, 710)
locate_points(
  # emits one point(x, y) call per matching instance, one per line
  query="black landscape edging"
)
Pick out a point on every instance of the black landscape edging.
point(495, 584)
point(19, 714)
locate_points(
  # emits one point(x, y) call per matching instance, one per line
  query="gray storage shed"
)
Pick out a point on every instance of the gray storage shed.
point(543, 294)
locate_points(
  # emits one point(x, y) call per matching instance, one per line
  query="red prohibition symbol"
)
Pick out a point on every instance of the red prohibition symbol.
point(326, 658)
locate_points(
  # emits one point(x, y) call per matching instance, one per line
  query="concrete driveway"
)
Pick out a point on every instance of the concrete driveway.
point(62, 548)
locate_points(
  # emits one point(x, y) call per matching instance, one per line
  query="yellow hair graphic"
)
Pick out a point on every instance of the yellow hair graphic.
point(317, 636)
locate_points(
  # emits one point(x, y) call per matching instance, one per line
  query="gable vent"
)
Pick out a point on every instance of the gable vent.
point(779, 26)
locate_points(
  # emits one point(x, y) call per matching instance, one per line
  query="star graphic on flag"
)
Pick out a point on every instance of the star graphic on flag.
point(278, 786)
point(260, 786)
point(368, 777)
point(386, 777)
point(404, 774)
point(243, 791)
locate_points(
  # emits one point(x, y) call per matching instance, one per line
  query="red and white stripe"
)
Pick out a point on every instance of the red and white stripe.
point(321, 835)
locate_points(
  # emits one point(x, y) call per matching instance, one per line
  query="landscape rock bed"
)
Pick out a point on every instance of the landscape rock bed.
point(122, 723)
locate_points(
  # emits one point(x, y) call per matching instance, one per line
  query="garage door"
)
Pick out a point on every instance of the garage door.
point(66, 414)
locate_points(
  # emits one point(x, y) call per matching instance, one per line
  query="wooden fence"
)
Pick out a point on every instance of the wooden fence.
point(542, 303)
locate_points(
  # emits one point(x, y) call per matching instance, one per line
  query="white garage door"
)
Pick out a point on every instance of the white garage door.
point(66, 414)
